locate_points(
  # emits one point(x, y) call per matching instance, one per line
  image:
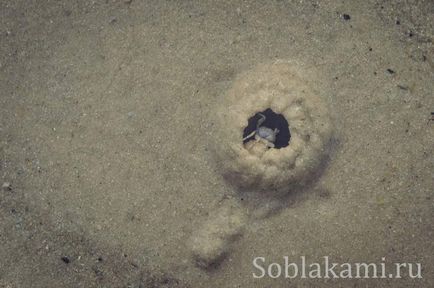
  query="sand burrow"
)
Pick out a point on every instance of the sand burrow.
point(272, 121)
point(279, 92)
point(277, 87)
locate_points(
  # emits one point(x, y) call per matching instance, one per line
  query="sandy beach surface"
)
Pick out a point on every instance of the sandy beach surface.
point(107, 137)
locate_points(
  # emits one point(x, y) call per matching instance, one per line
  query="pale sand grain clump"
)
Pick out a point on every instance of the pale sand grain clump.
point(212, 241)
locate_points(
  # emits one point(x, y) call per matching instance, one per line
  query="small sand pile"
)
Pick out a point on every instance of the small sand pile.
point(278, 86)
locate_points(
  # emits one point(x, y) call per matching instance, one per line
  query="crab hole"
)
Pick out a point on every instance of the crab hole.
point(273, 120)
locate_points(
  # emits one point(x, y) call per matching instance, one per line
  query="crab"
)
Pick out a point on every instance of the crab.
point(264, 134)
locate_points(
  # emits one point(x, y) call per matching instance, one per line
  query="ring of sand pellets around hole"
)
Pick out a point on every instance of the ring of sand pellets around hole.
point(276, 88)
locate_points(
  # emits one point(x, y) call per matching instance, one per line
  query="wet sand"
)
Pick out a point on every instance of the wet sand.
point(107, 133)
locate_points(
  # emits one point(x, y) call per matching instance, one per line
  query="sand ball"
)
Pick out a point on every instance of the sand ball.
point(277, 90)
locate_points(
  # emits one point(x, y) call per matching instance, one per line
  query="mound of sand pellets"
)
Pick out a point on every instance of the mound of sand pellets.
point(212, 242)
point(273, 133)
point(279, 87)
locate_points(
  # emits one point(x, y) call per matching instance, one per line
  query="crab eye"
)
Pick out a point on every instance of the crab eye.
point(273, 121)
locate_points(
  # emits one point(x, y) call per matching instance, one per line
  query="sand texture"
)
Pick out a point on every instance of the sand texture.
point(122, 162)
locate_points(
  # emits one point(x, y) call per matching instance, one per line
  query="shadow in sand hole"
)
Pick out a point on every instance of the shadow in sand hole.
point(272, 121)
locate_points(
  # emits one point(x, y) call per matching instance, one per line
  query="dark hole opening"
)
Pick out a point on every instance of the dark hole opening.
point(272, 121)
